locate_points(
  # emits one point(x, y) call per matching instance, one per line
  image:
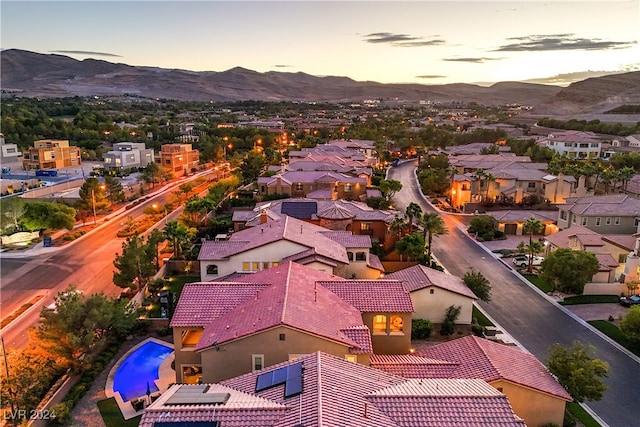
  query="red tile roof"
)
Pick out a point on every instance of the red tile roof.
point(294, 299)
point(201, 303)
point(491, 361)
point(412, 366)
point(420, 277)
point(362, 336)
point(372, 296)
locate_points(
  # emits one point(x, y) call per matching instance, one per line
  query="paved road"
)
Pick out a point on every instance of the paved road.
point(525, 314)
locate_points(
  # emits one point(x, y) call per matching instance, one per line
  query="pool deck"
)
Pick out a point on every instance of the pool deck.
point(166, 376)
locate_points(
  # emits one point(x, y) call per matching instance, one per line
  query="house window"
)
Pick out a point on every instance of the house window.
point(584, 221)
point(299, 186)
point(573, 218)
point(350, 256)
point(622, 258)
point(246, 266)
point(563, 215)
point(361, 256)
point(432, 291)
point(191, 374)
point(347, 188)
point(257, 362)
point(265, 265)
point(212, 269)
point(608, 220)
point(351, 358)
point(598, 220)
point(616, 221)
point(531, 185)
point(282, 337)
point(274, 264)
point(636, 222)
point(379, 324)
point(255, 266)
point(396, 325)
point(365, 228)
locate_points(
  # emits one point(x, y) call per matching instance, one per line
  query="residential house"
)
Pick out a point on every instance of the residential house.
point(575, 144)
point(320, 389)
point(512, 221)
point(127, 155)
point(180, 159)
point(51, 154)
point(359, 169)
point(606, 214)
point(433, 291)
point(611, 250)
point(314, 185)
point(337, 215)
point(223, 329)
point(289, 239)
point(533, 392)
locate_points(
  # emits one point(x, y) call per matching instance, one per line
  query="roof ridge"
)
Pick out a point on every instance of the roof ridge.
point(286, 294)
point(476, 340)
point(319, 383)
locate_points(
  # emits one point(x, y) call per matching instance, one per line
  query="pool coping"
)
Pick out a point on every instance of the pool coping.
point(166, 376)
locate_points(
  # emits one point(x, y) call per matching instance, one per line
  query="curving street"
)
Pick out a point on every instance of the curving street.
point(525, 313)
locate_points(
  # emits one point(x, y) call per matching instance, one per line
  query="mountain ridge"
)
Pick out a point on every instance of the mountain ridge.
point(33, 74)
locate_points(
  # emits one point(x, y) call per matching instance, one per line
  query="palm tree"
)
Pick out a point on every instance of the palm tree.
point(179, 236)
point(532, 225)
point(432, 225)
point(397, 225)
point(413, 211)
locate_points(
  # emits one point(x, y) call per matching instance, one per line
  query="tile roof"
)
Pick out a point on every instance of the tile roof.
point(360, 210)
point(375, 263)
point(420, 277)
point(562, 238)
point(491, 361)
point(370, 296)
point(446, 403)
point(335, 212)
point(287, 228)
point(612, 204)
point(412, 366)
point(349, 240)
point(523, 215)
point(201, 303)
point(361, 335)
point(294, 299)
point(242, 409)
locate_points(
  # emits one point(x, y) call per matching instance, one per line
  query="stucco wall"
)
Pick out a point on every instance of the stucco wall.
point(535, 407)
point(432, 306)
point(387, 343)
point(183, 357)
point(235, 358)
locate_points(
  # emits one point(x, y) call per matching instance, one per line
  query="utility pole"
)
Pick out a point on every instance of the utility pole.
point(6, 367)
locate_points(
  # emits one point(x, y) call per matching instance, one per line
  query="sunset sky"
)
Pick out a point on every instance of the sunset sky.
point(428, 42)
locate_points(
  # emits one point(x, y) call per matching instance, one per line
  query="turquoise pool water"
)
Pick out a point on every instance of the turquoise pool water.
point(140, 370)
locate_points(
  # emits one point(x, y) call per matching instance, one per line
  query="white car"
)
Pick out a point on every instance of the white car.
point(523, 260)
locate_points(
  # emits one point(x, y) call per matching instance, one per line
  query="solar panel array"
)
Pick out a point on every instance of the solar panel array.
point(197, 395)
point(290, 376)
point(299, 210)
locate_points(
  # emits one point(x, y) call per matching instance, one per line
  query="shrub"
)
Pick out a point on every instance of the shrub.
point(448, 326)
point(421, 329)
point(477, 330)
point(61, 413)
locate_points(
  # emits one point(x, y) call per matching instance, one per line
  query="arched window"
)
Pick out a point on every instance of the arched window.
point(396, 324)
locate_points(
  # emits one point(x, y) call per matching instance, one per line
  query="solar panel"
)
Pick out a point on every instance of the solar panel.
point(294, 370)
point(299, 210)
point(264, 381)
point(186, 424)
point(279, 376)
point(290, 376)
point(293, 386)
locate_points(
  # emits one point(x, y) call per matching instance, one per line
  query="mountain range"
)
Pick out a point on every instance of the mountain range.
point(31, 74)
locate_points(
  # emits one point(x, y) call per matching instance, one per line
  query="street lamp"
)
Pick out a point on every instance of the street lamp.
point(157, 206)
point(93, 201)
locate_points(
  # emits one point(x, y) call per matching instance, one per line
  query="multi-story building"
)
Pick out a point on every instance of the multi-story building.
point(51, 154)
point(127, 155)
point(8, 151)
point(575, 144)
point(607, 214)
point(180, 159)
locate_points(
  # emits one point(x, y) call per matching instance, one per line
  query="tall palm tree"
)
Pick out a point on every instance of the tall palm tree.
point(413, 211)
point(397, 225)
point(532, 225)
point(433, 225)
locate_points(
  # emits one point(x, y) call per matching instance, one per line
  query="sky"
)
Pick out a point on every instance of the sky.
point(426, 42)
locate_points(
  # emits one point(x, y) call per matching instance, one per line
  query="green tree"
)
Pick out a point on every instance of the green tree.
point(411, 245)
point(397, 225)
point(531, 226)
point(179, 236)
point(389, 188)
point(421, 329)
point(79, 329)
point(448, 326)
point(11, 209)
point(568, 271)
point(478, 284)
point(136, 263)
point(413, 211)
point(483, 226)
point(151, 174)
point(532, 249)
point(46, 215)
point(114, 191)
point(92, 195)
point(578, 371)
point(252, 166)
point(630, 324)
point(432, 226)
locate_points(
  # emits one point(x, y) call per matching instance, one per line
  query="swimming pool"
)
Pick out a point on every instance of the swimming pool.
point(140, 370)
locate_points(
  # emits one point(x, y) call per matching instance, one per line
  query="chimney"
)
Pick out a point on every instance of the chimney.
point(263, 217)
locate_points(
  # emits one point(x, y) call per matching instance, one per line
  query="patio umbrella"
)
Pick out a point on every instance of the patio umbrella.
point(148, 391)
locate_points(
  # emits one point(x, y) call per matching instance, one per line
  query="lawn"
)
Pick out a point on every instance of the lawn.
point(481, 318)
point(539, 283)
point(590, 299)
point(613, 332)
point(582, 415)
point(113, 417)
point(176, 283)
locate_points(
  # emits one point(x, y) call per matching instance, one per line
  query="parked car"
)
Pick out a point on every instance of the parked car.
point(523, 260)
point(629, 301)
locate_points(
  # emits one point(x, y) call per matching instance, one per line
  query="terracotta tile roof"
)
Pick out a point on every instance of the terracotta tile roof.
point(523, 215)
point(201, 303)
point(420, 277)
point(360, 210)
point(335, 212)
point(607, 262)
point(288, 228)
point(374, 262)
point(320, 195)
point(612, 205)
point(412, 366)
point(294, 300)
point(446, 403)
point(388, 296)
point(490, 361)
point(362, 335)
point(242, 409)
point(561, 239)
point(348, 240)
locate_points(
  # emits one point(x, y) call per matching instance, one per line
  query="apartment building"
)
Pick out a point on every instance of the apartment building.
point(51, 154)
point(180, 159)
point(126, 155)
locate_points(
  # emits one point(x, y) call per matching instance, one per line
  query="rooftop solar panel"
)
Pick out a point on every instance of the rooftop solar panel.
point(299, 210)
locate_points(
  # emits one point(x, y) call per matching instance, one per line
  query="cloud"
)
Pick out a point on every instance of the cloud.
point(478, 60)
point(402, 40)
point(430, 76)
point(84, 52)
point(559, 42)
point(282, 66)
